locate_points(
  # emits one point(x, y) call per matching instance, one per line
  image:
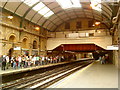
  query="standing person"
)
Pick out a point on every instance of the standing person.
point(19, 61)
point(26, 61)
point(7, 61)
point(43, 60)
point(23, 61)
point(106, 58)
point(14, 63)
point(103, 59)
point(37, 60)
point(11, 61)
point(51, 59)
point(3, 62)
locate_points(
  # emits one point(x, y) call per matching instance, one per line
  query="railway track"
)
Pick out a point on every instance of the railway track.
point(45, 79)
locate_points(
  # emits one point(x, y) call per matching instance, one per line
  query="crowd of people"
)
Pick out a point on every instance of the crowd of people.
point(104, 59)
point(23, 61)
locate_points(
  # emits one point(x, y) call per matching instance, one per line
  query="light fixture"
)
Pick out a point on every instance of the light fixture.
point(37, 28)
point(93, 25)
point(10, 17)
point(97, 23)
point(99, 31)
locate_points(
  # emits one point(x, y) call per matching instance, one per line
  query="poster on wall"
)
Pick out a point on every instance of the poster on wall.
point(34, 52)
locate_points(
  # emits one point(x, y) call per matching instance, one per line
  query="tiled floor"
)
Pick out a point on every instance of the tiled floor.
point(93, 76)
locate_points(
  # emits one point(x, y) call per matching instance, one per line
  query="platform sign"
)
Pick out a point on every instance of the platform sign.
point(17, 48)
point(113, 47)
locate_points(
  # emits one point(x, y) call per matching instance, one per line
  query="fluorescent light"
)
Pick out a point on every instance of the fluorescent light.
point(39, 6)
point(30, 2)
point(96, 4)
point(65, 4)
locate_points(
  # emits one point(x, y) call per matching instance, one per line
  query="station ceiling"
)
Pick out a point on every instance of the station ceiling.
point(50, 14)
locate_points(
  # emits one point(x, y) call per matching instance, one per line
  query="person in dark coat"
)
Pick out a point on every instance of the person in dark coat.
point(3, 62)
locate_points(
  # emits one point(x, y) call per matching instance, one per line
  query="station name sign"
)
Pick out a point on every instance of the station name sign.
point(17, 48)
point(113, 47)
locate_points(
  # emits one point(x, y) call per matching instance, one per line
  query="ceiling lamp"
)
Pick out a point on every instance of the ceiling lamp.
point(37, 28)
point(97, 23)
point(10, 17)
point(93, 25)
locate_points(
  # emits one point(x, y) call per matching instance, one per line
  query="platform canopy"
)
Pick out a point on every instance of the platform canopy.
point(50, 14)
point(78, 47)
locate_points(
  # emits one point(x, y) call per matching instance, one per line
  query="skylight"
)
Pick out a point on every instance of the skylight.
point(40, 7)
point(48, 14)
point(65, 4)
point(96, 4)
point(30, 2)
point(44, 10)
point(76, 3)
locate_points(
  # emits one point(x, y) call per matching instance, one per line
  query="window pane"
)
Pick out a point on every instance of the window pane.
point(67, 25)
point(78, 25)
point(90, 23)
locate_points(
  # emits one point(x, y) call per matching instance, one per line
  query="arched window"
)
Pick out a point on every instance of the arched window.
point(34, 44)
point(24, 43)
point(12, 38)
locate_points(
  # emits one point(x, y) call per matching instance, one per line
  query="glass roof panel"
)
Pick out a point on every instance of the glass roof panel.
point(96, 4)
point(69, 3)
point(48, 14)
point(30, 2)
point(44, 10)
point(76, 3)
point(64, 4)
point(38, 6)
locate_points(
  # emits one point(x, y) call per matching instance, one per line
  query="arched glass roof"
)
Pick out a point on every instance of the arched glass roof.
point(52, 13)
